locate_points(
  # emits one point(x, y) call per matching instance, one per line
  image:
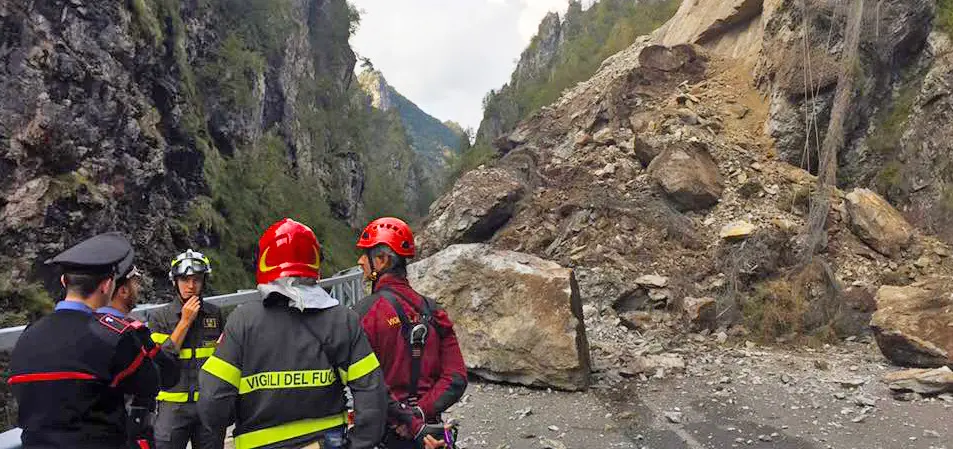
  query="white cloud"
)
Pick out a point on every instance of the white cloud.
point(445, 55)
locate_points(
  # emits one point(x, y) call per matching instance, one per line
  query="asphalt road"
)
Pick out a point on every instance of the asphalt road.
point(736, 398)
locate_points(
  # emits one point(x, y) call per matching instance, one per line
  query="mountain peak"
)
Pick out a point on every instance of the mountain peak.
point(429, 137)
point(376, 87)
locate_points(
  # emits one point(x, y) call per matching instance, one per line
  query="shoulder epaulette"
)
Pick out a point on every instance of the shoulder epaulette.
point(117, 325)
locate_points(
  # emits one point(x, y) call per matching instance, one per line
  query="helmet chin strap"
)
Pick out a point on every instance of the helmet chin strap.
point(375, 273)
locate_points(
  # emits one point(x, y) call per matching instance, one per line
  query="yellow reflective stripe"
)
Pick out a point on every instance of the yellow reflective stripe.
point(159, 338)
point(200, 353)
point(343, 376)
point(223, 370)
point(287, 379)
point(363, 367)
point(174, 397)
point(288, 431)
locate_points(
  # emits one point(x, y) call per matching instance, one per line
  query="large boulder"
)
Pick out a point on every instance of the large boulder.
point(701, 313)
point(518, 317)
point(479, 203)
point(914, 325)
point(923, 381)
point(688, 175)
point(660, 57)
point(877, 223)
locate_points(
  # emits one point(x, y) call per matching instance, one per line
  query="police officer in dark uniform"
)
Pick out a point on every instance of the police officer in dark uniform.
point(188, 329)
point(71, 370)
point(281, 366)
point(141, 409)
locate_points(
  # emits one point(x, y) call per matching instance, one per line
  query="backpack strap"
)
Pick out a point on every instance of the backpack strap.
point(416, 335)
point(325, 343)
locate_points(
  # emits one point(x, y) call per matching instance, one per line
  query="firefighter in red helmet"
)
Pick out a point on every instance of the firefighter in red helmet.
point(281, 365)
point(421, 358)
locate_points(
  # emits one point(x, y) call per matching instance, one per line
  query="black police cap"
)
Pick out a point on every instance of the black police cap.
point(125, 266)
point(101, 254)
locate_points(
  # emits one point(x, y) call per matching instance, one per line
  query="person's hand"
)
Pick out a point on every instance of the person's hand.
point(190, 309)
point(432, 443)
point(404, 432)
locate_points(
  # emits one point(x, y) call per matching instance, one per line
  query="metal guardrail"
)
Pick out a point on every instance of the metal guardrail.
point(346, 286)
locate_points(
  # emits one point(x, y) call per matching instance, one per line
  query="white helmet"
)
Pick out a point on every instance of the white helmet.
point(188, 263)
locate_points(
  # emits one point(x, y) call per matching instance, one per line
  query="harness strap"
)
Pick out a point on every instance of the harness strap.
point(416, 335)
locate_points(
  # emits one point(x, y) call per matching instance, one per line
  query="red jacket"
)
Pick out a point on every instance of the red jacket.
point(443, 375)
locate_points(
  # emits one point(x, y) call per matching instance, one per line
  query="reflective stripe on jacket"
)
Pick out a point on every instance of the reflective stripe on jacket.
point(282, 372)
point(70, 371)
point(198, 346)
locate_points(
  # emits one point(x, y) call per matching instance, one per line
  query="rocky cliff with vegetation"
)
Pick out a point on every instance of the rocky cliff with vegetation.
point(679, 181)
point(186, 123)
point(566, 50)
point(434, 142)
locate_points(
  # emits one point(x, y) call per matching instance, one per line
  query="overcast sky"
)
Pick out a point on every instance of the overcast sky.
point(445, 55)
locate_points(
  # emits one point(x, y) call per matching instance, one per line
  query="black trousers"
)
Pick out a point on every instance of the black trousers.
point(178, 424)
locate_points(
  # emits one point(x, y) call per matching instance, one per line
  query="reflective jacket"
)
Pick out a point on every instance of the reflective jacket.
point(198, 346)
point(280, 373)
point(443, 375)
point(70, 372)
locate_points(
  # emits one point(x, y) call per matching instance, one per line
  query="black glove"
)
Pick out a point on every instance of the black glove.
point(140, 423)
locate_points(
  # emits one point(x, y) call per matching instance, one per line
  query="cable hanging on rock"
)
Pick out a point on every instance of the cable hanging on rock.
point(815, 234)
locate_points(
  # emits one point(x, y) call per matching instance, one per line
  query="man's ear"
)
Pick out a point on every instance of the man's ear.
point(106, 286)
point(63, 280)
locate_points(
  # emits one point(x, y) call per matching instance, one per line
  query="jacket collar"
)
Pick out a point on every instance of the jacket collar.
point(299, 293)
point(176, 305)
point(111, 311)
point(390, 280)
point(74, 306)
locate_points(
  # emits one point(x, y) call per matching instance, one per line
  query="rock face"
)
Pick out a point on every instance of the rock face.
point(886, 55)
point(481, 202)
point(549, 37)
point(701, 125)
point(688, 175)
point(914, 325)
point(533, 63)
point(702, 23)
point(667, 59)
point(913, 173)
point(877, 223)
point(136, 116)
point(898, 129)
point(380, 93)
point(519, 318)
point(432, 140)
point(563, 43)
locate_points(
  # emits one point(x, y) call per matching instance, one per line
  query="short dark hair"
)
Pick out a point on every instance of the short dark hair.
point(84, 284)
point(399, 267)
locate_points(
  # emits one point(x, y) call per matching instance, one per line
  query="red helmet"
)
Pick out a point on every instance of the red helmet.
point(287, 249)
point(389, 231)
